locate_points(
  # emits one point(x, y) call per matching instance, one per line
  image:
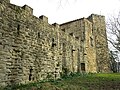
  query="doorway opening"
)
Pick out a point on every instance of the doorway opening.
point(83, 66)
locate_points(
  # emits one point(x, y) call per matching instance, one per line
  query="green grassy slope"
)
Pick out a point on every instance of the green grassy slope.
point(76, 82)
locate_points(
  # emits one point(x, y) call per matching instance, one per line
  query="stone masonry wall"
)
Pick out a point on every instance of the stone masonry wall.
point(31, 49)
point(89, 48)
point(99, 32)
point(81, 30)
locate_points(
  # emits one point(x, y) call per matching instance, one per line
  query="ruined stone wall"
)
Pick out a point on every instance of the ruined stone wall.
point(74, 30)
point(81, 30)
point(91, 33)
point(89, 48)
point(30, 48)
point(68, 51)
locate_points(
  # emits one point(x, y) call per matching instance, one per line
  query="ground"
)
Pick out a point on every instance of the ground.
point(76, 82)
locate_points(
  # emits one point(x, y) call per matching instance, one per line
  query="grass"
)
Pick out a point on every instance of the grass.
point(76, 82)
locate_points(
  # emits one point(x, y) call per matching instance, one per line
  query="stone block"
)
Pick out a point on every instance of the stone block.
point(44, 18)
point(28, 9)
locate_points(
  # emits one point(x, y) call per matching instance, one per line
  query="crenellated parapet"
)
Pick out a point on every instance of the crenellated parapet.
point(44, 18)
point(28, 9)
point(24, 13)
point(56, 25)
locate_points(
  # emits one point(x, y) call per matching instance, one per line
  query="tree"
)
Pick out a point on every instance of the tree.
point(113, 61)
point(113, 28)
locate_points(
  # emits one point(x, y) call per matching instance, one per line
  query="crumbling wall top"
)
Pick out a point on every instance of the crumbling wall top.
point(28, 9)
point(93, 16)
point(56, 25)
point(44, 18)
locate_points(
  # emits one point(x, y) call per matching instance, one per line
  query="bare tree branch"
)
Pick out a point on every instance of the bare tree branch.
point(113, 27)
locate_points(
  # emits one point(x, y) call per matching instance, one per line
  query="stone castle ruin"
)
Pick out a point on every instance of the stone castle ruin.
point(31, 49)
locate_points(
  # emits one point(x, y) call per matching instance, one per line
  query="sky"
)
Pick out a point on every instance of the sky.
point(61, 11)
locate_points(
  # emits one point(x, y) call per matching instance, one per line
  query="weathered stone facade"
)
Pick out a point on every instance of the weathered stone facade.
point(31, 49)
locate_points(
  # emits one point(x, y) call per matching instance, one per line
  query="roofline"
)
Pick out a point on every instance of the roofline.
point(72, 21)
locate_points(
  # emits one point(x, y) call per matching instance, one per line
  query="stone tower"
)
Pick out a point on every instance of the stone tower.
point(81, 30)
point(99, 32)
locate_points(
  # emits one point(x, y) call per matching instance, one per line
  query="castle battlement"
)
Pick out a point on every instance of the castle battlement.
point(44, 18)
point(28, 9)
point(31, 49)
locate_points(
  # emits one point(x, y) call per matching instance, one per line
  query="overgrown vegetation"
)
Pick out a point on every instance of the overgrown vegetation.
point(75, 81)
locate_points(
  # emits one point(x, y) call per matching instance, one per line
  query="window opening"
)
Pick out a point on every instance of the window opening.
point(38, 34)
point(53, 42)
point(18, 29)
point(30, 75)
point(91, 41)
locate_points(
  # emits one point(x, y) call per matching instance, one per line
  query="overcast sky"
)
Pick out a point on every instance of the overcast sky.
point(69, 10)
